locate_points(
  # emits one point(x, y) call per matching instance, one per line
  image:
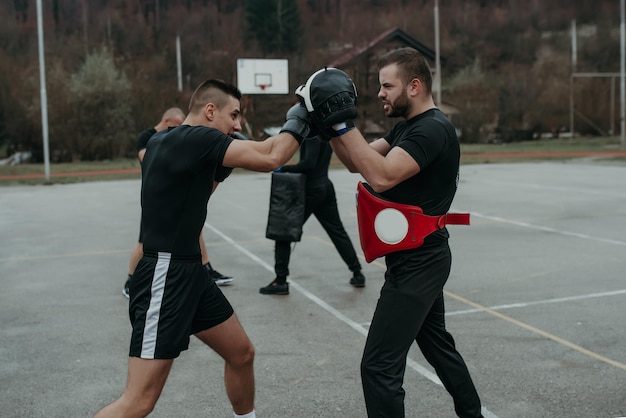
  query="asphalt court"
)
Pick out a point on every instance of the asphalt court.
point(536, 299)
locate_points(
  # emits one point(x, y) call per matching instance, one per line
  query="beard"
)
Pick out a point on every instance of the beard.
point(399, 108)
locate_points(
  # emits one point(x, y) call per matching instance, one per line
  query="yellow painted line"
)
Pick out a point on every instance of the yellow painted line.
point(513, 321)
point(538, 331)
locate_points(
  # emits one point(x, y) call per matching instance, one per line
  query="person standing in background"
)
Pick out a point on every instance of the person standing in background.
point(321, 201)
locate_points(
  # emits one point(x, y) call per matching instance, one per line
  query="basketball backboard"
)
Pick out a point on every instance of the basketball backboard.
point(263, 76)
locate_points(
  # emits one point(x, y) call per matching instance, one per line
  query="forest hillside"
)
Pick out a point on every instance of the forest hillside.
point(111, 65)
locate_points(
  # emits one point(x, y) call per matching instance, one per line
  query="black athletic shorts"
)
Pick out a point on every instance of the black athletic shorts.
point(172, 298)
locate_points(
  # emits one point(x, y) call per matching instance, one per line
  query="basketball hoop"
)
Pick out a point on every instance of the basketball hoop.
point(262, 76)
point(263, 81)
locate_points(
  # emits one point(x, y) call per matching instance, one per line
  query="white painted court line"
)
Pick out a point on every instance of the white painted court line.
point(581, 190)
point(548, 229)
point(520, 324)
point(541, 302)
point(354, 325)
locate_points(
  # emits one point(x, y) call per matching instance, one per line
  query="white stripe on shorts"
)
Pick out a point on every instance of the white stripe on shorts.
point(148, 344)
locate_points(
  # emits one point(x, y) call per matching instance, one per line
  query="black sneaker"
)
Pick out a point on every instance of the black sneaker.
point(275, 288)
point(358, 280)
point(218, 277)
point(125, 290)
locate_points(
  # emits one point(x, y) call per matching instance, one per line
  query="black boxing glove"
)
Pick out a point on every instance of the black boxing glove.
point(330, 97)
point(297, 122)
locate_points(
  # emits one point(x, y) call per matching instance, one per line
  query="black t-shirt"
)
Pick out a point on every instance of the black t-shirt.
point(142, 139)
point(430, 138)
point(178, 171)
point(221, 173)
point(314, 160)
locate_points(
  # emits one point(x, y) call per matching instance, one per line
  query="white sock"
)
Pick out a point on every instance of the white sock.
point(248, 415)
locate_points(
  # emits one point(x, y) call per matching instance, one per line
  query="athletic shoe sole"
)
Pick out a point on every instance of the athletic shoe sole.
point(282, 292)
point(357, 283)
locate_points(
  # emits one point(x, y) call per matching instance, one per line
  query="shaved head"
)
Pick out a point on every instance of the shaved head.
point(173, 113)
point(212, 91)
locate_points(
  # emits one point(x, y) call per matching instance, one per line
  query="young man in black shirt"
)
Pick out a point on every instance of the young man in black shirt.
point(171, 294)
point(417, 164)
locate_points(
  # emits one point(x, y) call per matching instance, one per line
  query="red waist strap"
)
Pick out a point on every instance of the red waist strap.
point(456, 219)
point(386, 227)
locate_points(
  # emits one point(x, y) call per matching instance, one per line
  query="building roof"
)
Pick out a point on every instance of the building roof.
point(389, 35)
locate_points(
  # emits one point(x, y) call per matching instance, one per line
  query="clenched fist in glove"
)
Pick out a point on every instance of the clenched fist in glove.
point(297, 122)
point(330, 97)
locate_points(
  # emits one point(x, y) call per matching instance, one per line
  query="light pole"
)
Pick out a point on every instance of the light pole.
point(437, 56)
point(44, 97)
point(179, 67)
point(571, 80)
point(622, 31)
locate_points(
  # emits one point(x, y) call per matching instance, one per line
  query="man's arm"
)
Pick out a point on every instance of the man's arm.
point(380, 145)
point(340, 151)
point(142, 142)
point(276, 150)
point(262, 156)
point(381, 166)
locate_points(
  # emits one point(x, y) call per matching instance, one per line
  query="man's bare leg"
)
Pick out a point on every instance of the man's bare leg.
point(230, 341)
point(144, 384)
